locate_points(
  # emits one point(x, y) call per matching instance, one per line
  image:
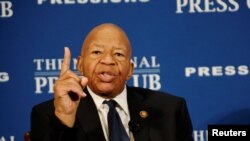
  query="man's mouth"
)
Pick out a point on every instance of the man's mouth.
point(106, 77)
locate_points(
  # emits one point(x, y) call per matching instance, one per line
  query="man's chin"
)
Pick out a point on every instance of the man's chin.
point(108, 90)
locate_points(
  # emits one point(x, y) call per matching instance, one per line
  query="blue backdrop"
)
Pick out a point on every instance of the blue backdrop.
point(197, 49)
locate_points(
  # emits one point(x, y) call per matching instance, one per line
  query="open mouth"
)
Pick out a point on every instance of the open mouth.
point(106, 76)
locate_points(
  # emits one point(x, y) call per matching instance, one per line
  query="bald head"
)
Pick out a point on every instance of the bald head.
point(106, 30)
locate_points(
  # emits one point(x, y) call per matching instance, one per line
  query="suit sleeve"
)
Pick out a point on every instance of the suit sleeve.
point(45, 126)
point(184, 124)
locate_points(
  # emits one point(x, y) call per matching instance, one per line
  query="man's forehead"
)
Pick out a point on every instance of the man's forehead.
point(107, 26)
point(114, 46)
point(107, 31)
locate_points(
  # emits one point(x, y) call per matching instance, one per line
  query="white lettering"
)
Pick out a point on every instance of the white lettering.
point(200, 135)
point(195, 5)
point(136, 80)
point(38, 63)
point(4, 77)
point(95, 1)
point(39, 2)
point(244, 133)
point(43, 82)
point(243, 70)
point(67, 2)
point(248, 4)
point(56, 2)
point(203, 71)
point(180, 4)
point(51, 64)
point(223, 6)
point(70, 2)
point(154, 63)
point(74, 64)
point(230, 70)
point(40, 83)
point(2, 139)
point(215, 132)
point(189, 71)
point(151, 81)
point(216, 71)
point(207, 6)
point(144, 78)
point(6, 10)
point(154, 82)
point(144, 1)
point(228, 133)
point(117, 1)
point(82, 1)
point(145, 62)
point(12, 138)
point(235, 4)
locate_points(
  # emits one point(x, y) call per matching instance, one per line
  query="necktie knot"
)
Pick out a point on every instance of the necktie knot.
point(111, 103)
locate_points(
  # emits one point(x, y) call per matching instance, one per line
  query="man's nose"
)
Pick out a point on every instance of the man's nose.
point(107, 59)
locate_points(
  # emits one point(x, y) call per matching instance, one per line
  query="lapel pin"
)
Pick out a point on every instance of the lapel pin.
point(143, 114)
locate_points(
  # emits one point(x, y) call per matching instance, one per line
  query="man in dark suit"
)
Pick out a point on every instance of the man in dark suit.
point(78, 111)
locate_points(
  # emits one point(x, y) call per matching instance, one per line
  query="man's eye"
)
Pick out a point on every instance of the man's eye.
point(119, 54)
point(96, 52)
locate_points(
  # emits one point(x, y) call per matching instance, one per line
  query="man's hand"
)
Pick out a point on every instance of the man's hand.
point(68, 92)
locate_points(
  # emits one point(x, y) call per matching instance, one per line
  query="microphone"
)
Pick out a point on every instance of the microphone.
point(133, 126)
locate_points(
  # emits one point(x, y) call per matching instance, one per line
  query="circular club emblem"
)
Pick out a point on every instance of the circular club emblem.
point(143, 114)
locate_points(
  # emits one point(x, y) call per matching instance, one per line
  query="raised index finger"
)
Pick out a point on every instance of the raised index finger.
point(66, 61)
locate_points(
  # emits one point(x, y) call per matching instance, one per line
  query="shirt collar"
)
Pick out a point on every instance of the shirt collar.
point(121, 99)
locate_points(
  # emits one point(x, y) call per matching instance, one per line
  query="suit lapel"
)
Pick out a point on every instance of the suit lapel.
point(88, 117)
point(139, 124)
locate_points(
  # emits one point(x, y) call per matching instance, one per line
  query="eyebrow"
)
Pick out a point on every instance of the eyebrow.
point(115, 47)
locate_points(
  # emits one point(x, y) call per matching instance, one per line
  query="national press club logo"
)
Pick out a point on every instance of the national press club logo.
point(146, 73)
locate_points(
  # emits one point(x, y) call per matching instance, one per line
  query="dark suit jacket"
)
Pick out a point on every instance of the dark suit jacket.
point(168, 119)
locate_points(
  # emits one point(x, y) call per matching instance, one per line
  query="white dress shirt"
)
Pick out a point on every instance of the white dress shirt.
point(122, 110)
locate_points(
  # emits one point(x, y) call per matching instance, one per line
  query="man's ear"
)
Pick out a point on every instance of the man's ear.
point(131, 70)
point(79, 64)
